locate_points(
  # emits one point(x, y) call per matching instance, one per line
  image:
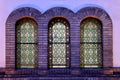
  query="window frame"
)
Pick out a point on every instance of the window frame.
point(97, 43)
point(50, 25)
point(35, 25)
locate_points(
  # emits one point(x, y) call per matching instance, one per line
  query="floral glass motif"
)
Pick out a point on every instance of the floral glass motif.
point(26, 43)
point(58, 43)
point(91, 43)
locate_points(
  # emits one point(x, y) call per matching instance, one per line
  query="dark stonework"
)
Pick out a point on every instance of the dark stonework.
point(74, 72)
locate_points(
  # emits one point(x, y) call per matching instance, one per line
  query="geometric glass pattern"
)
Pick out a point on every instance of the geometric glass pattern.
point(91, 43)
point(26, 43)
point(59, 43)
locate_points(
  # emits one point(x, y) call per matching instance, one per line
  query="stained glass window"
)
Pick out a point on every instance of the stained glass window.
point(26, 43)
point(91, 43)
point(59, 44)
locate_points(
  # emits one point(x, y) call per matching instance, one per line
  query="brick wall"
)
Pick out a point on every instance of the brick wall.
point(74, 19)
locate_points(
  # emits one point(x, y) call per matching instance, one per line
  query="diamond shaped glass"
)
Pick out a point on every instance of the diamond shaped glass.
point(58, 43)
point(91, 43)
point(26, 43)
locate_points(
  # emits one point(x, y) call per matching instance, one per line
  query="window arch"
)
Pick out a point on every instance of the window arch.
point(59, 43)
point(91, 43)
point(26, 43)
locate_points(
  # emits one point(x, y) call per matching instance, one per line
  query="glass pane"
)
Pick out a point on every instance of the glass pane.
point(26, 33)
point(58, 43)
point(91, 43)
point(26, 43)
point(26, 55)
point(90, 31)
point(90, 54)
point(59, 32)
point(59, 54)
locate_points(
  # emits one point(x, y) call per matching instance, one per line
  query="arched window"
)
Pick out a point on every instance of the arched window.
point(26, 43)
point(59, 43)
point(91, 43)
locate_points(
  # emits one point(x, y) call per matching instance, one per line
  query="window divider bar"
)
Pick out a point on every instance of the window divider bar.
point(90, 42)
point(27, 43)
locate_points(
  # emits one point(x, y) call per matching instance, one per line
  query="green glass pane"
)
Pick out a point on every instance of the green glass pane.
point(91, 31)
point(59, 32)
point(58, 43)
point(26, 32)
point(91, 48)
point(26, 55)
point(90, 54)
point(59, 54)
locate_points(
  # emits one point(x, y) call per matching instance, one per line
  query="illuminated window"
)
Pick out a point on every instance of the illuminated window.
point(26, 43)
point(91, 43)
point(59, 43)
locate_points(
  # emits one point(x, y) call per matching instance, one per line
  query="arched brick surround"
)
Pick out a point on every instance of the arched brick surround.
point(45, 18)
point(10, 33)
point(106, 31)
point(42, 21)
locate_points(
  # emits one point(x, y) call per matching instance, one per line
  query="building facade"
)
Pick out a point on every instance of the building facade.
point(60, 42)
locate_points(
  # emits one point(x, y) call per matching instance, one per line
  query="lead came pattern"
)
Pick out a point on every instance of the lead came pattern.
point(59, 50)
point(59, 54)
point(59, 32)
point(91, 44)
point(90, 54)
point(26, 33)
point(27, 55)
point(90, 31)
point(26, 44)
point(58, 43)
